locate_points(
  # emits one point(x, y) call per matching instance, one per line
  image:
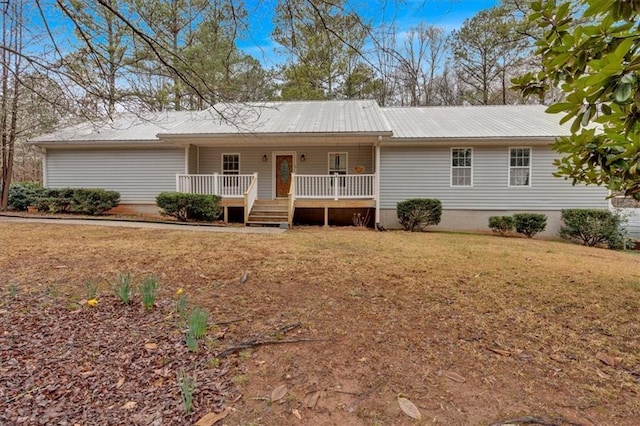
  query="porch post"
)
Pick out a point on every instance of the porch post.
point(376, 184)
point(335, 186)
point(215, 184)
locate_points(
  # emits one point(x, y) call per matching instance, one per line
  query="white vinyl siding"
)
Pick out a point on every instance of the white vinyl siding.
point(409, 172)
point(519, 166)
point(461, 166)
point(137, 174)
point(315, 161)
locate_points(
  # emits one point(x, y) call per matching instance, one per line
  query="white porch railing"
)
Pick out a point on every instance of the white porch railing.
point(250, 197)
point(229, 186)
point(334, 186)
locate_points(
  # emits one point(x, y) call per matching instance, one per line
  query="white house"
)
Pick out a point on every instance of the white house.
point(282, 163)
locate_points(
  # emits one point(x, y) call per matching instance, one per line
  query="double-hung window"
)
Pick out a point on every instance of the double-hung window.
point(461, 167)
point(519, 166)
point(230, 164)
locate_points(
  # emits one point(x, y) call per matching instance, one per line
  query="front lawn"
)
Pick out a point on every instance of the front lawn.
point(471, 329)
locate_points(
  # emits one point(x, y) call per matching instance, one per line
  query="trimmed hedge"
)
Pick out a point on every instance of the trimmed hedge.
point(415, 214)
point(592, 227)
point(501, 225)
point(530, 224)
point(24, 194)
point(186, 207)
point(88, 201)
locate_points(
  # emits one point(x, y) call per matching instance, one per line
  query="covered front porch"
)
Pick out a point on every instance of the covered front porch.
point(292, 190)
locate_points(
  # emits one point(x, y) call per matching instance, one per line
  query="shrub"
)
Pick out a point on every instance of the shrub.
point(501, 224)
point(186, 207)
point(530, 224)
point(93, 201)
point(24, 194)
point(416, 214)
point(87, 201)
point(593, 226)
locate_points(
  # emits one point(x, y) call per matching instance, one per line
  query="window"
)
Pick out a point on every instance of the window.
point(338, 163)
point(230, 164)
point(519, 166)
point(461, 166)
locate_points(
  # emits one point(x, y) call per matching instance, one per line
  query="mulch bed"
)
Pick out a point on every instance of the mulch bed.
point(68, 363)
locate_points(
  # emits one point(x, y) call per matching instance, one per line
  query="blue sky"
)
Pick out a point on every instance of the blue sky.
point(449, 14)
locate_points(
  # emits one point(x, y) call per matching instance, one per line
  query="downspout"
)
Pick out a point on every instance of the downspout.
point(44, 167)
point(377, 183)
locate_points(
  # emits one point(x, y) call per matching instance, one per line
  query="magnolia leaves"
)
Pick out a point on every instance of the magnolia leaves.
point(409, 408)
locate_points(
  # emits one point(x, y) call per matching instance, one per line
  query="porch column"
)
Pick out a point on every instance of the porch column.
point(376, 184)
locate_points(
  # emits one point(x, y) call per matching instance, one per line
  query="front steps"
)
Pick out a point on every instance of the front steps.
point(269, 213)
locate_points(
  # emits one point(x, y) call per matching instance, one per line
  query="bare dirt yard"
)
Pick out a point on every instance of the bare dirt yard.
point(317, 327)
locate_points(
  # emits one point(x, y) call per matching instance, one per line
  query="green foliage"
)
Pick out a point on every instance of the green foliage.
point(148, 291)
point(501, 225)
point(198, 322)
point(123, 288)
point(24, 194)
point(416, 214)
point(88, 201)
point(181, 306)
point(593, 226)
point(90, 289)
point(530, 224)
point(186, 207)
point(590, 50)
point(187, 387)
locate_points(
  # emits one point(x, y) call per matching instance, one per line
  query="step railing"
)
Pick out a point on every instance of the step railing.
point(228, 186)
point(250, 197)
point(334, 186)
point(292, 200)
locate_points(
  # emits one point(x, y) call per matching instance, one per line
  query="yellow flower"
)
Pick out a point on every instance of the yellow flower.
point(179, 291)
point(92, 302)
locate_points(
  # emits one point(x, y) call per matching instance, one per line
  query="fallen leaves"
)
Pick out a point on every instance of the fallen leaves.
point(409, 408)
point(454, 376)
point(212, 418)
point(606, 359)
point(279, 392)
point(130, 405)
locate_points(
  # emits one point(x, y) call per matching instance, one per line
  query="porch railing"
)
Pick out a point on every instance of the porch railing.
point(334, 186)
point(229, 186)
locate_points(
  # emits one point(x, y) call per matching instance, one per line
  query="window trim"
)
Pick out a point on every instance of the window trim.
point(222, 162)
point(451, 167)
point(509, 167)
point(346, 166)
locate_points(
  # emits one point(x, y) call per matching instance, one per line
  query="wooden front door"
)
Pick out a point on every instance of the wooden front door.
point(284, 168)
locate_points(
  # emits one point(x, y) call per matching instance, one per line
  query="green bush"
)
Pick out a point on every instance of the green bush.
point(501, 224)
point(186, 207)
point(594, 226)
point(24, 194)
point(86, 201)
point(530, 224)
point(415, 214)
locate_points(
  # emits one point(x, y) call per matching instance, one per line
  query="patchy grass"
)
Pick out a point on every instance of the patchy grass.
point(472, 329)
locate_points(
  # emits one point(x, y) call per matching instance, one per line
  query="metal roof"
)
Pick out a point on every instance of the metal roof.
point(319, 117)
point(474, 122)
point(347, 116)
point(124, 127)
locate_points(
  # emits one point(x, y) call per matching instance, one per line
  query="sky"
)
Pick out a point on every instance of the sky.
point(449, 14)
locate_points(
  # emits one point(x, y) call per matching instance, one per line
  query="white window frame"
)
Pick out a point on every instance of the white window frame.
point(222, 170)
point(511, 148)
point(346, 161)
point(452, 167)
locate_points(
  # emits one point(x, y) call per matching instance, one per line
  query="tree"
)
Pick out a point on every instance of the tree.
point(486, 49)
point(323, 40)
point(593, 53)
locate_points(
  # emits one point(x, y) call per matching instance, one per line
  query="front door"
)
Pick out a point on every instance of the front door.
point(284, 167)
